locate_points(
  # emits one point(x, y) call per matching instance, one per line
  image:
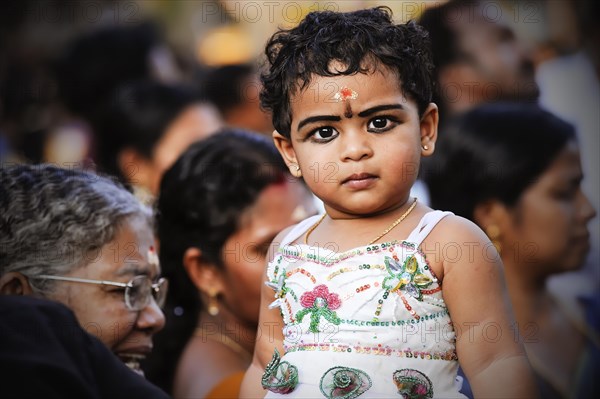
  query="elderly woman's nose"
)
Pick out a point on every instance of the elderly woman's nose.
point(151, 318)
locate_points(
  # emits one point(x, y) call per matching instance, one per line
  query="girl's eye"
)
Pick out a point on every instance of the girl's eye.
point(324, 134)
point(381, 124)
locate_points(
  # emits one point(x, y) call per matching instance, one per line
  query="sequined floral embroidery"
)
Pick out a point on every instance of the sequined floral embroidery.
point(344, 383)
point(319, 303)
point(413, 384)
point(279, 377)
point(280, 290)
point(407, 277)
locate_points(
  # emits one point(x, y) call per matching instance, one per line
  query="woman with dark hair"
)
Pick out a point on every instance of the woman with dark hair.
point(234, 90)
point(146, 129)
point(220, 206)
point(515, 170)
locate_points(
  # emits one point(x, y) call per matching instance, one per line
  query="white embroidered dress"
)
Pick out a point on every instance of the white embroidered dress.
point(368, 322)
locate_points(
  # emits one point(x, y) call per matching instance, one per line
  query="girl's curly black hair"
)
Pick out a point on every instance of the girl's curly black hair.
point(361, 40)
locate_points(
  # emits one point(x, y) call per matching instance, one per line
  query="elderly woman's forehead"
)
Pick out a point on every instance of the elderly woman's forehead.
point(138, 268)
point(134, 248)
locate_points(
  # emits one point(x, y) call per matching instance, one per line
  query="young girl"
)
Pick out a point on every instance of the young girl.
point(351, 300)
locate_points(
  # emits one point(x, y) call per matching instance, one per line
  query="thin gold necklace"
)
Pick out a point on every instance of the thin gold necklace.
point(396, 223)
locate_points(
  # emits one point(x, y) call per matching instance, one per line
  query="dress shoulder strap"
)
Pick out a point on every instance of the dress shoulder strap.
point(427, 223)
point(299, 229)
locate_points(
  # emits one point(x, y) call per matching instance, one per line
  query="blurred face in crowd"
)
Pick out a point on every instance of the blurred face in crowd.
point(492, 65)
point(194, 123)
point(493, 52)
point(245, 253)
point(547, 229)
point(248, 114)
point(101, 309)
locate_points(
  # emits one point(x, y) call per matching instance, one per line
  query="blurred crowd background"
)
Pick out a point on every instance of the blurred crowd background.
point(61, 61)
point(96, 83)
point(124, 87)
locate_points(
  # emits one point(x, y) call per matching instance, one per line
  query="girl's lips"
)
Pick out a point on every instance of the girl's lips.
point(360, 181)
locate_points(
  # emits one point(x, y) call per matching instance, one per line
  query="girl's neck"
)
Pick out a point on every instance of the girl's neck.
point(390, 212)
point(360, 231)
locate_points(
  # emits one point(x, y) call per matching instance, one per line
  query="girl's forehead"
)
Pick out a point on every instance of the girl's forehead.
point(356, 88)
point(369, 74)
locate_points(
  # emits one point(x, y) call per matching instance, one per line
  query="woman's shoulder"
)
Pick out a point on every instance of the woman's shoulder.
point(203, 365)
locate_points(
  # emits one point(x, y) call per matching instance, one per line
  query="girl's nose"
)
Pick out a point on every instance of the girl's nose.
point(356, 146)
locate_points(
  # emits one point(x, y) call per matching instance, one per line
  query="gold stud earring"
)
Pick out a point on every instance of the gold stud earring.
point(296, 172)
point(425, 147)
point(213, 304)
point(493, 232)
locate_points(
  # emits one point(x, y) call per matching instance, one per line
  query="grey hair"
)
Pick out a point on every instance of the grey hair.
point(53, 220)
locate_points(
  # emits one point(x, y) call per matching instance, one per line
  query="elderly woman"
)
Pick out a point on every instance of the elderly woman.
point(82, 240)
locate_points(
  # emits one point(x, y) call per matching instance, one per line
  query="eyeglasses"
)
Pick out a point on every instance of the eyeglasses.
point(138, 291)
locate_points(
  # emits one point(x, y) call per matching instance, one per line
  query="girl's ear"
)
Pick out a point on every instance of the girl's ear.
point(429, 129)
point(205, 276)
point(14, 283)
point(285, 148)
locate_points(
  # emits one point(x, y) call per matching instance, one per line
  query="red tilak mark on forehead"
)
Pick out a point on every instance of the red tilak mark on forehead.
point(344, 94)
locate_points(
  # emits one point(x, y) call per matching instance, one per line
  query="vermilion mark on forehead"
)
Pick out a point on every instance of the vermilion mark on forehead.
point(345, 94)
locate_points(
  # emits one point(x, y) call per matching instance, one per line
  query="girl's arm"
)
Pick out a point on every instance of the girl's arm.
point(268, 338)
point(487, 344)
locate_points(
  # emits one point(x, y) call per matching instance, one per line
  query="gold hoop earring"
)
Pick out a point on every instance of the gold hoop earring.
point(213, 304)
point(493, 232)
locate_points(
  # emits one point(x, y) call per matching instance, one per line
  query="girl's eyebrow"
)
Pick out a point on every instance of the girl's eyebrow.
point(318, 118)
point(378, 108)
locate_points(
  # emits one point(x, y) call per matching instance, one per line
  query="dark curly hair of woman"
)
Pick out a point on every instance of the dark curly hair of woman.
point(361, 40)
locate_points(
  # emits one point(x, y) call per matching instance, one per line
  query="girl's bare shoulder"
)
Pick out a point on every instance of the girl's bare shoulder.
point(457, 230)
